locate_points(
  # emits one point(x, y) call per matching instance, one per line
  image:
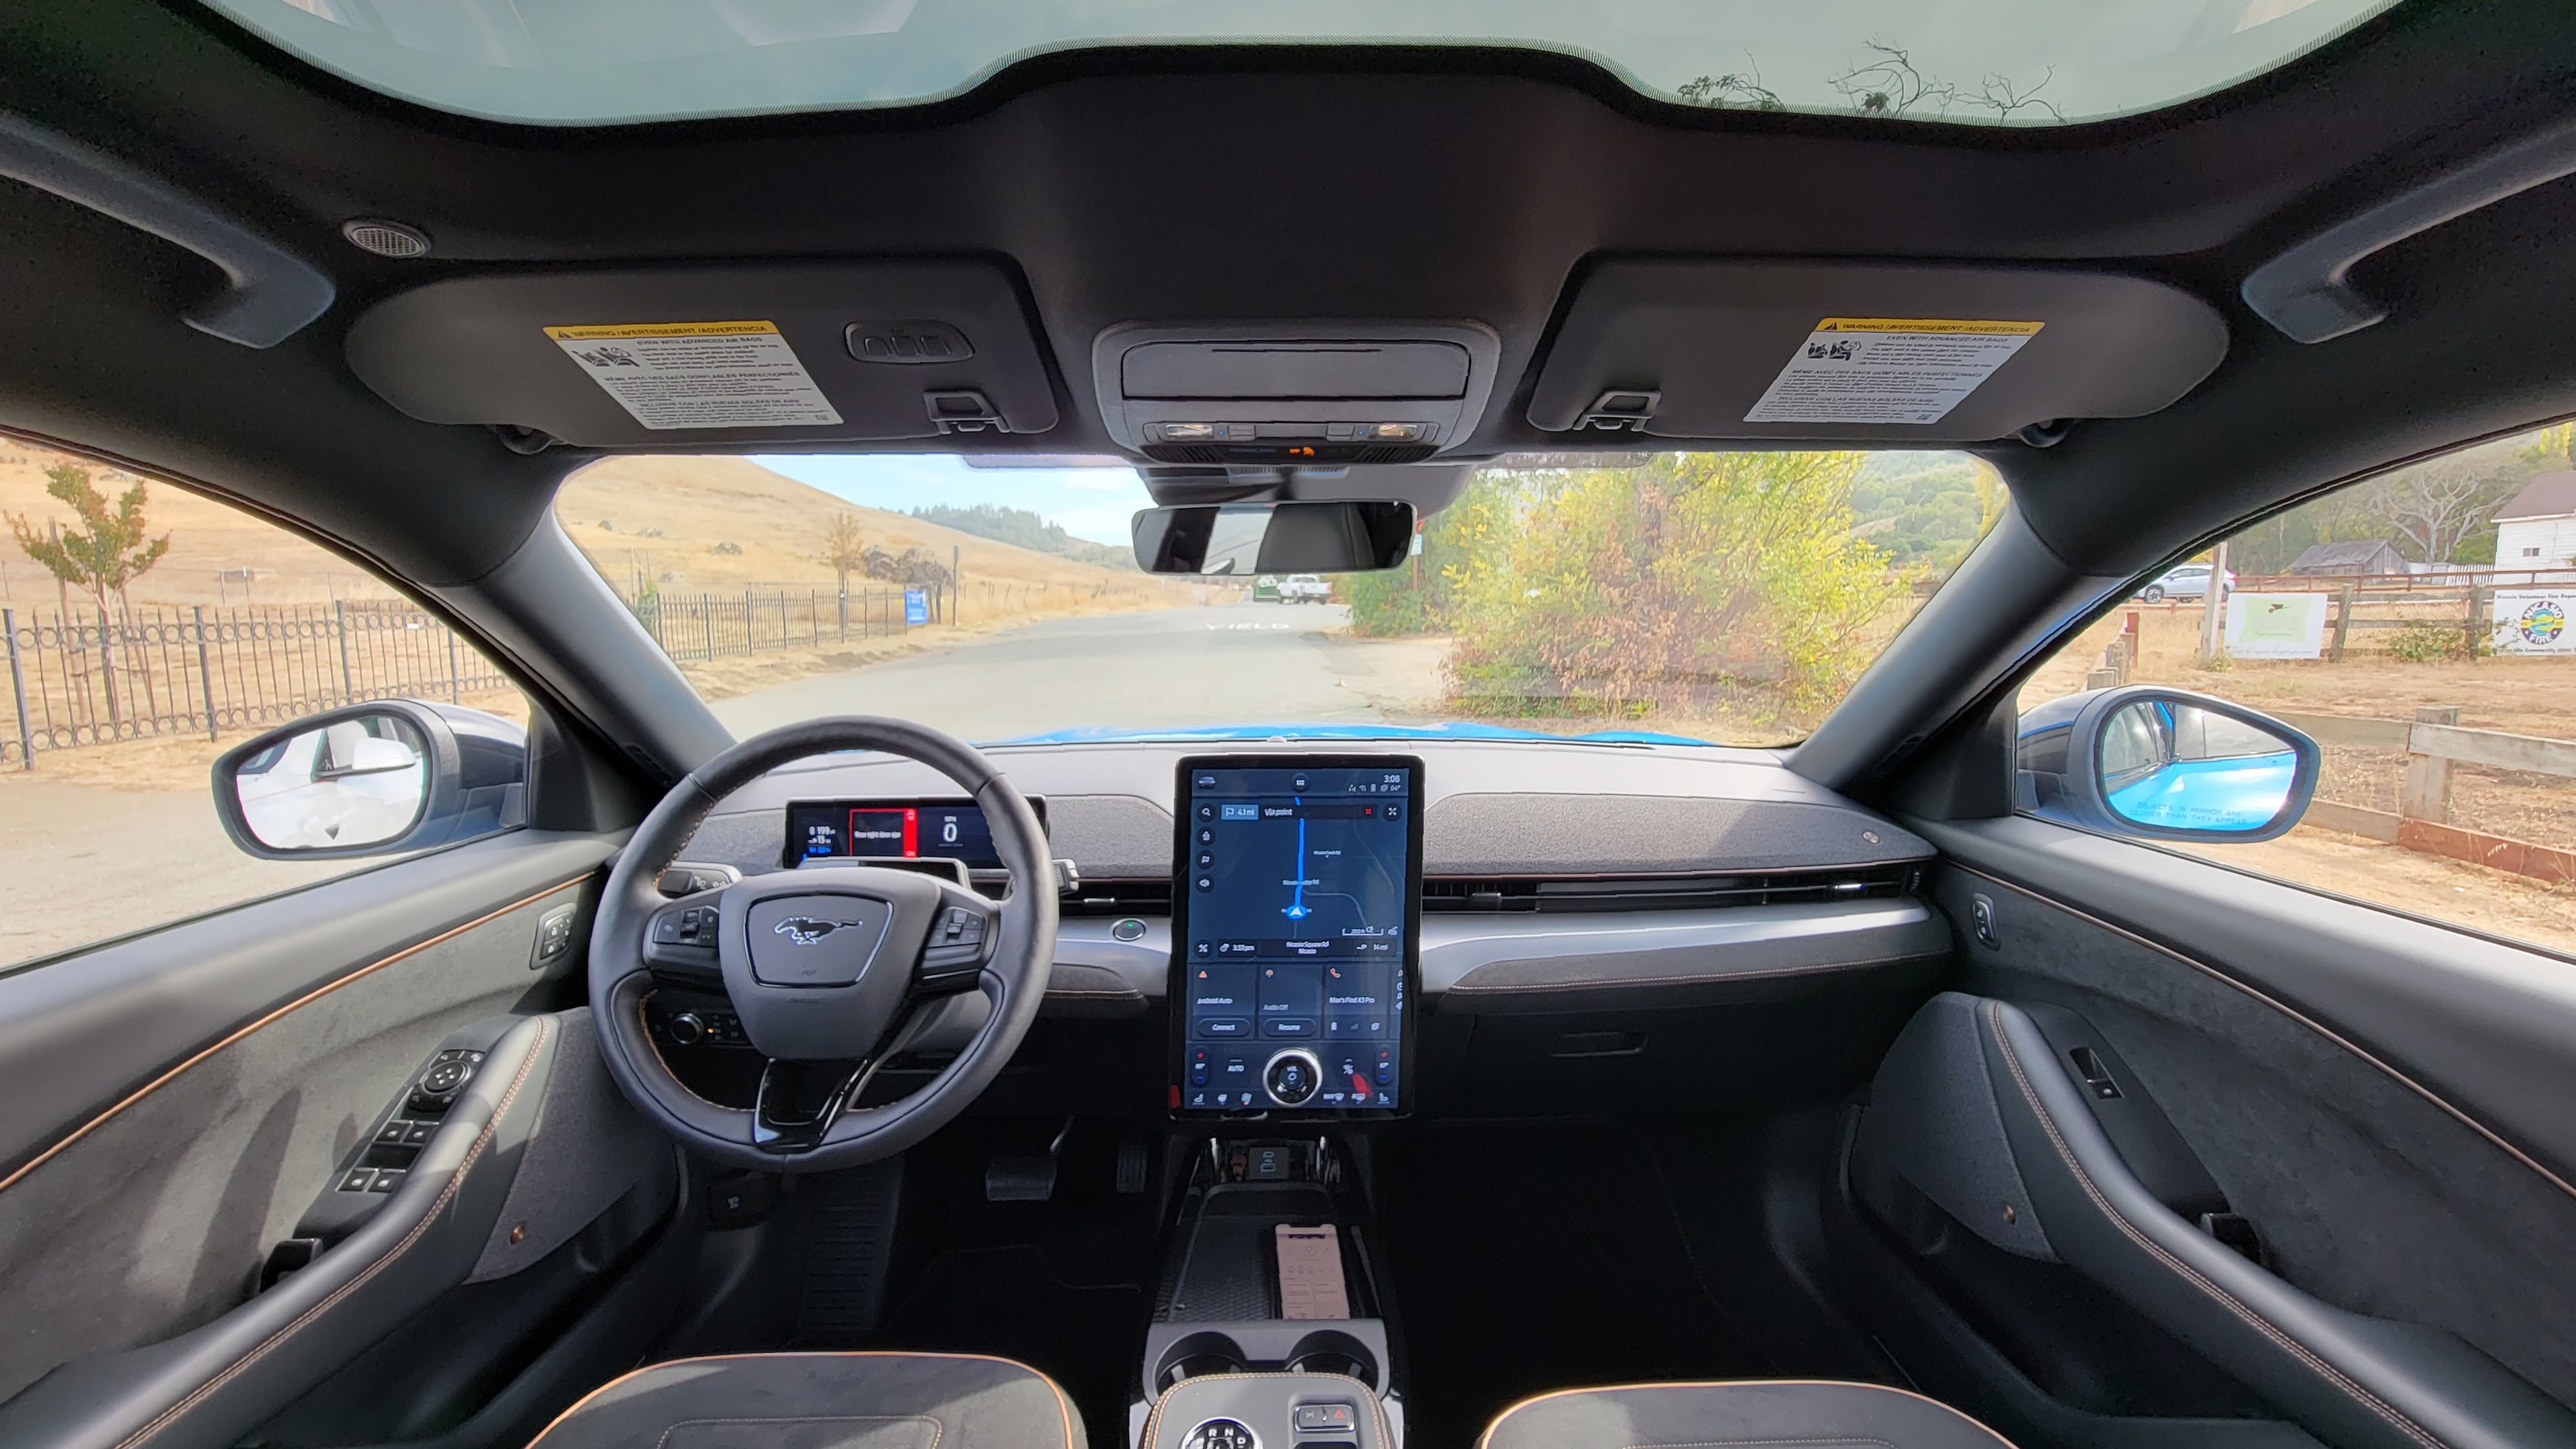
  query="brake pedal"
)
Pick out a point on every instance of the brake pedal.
point(1025, 1179)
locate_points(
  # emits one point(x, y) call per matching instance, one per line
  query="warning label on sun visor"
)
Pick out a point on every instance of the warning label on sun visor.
point(700, 374)
point(1887, 369)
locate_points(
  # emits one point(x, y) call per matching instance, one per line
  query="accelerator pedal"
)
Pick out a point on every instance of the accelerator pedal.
point(1133, 1152)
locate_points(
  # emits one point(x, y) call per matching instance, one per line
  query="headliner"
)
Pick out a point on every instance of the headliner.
point(1519, 170)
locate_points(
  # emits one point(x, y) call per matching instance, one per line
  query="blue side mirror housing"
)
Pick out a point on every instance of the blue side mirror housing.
point(2163, 764)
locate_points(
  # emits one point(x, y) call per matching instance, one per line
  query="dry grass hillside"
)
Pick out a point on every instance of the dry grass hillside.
point(663, 518)
point(211, 546)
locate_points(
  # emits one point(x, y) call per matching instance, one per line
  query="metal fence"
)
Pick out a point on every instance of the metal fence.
point(85, 678)
point(701, 626)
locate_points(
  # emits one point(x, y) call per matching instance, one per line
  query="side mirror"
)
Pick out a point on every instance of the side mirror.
point(2163, 764)
point(372, 779)
point(1243, 539)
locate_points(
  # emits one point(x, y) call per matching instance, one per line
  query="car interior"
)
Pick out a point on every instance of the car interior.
point(646, 1081)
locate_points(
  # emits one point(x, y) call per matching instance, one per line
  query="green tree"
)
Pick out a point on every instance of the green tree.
point(110, 551)
point(1721, 581)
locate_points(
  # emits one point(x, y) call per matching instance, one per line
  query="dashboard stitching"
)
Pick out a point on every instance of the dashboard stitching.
point(1463, 988)
point(455, 1183)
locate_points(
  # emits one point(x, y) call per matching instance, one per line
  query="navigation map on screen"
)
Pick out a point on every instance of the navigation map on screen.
point(1294, 893)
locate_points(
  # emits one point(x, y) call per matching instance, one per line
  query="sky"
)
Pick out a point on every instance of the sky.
point(1092, 503)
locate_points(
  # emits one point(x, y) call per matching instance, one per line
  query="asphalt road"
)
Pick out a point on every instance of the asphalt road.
point(1228, 664)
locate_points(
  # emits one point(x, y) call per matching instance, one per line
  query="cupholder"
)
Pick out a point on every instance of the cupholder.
point(1331, 1351)
point(1197, 1356)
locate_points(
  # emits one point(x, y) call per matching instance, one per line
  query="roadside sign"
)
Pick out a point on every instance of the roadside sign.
point(2533, 621)
point(2276, 626)
point(916, 606)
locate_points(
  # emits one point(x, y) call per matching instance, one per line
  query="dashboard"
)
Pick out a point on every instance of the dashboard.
point(1597, 925)
point(1296, 911)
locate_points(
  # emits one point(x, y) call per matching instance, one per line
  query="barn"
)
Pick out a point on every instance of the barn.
point(2374, 556)
point(2537, 530)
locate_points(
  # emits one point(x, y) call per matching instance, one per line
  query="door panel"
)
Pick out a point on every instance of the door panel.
point(172, 1103)
point(2323, 1060)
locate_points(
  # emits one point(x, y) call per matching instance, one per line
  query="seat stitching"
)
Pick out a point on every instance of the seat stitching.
point(455, 1183)
point(1757, 1443)
point(1063, 1405)
point(1485, 1439)
point(2255, 1320)
point(937, 1427)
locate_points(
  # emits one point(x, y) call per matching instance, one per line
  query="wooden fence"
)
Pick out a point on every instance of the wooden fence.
point(694, 627)
point(2434, 742)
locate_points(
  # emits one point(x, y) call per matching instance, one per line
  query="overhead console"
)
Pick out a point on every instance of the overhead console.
point(1866, 351)
point(1294, 392)
point(805, 352)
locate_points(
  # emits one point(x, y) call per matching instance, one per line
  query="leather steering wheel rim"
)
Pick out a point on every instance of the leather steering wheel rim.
point(1013, 979)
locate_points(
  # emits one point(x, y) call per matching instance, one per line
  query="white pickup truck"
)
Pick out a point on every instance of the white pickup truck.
point(1304, 589)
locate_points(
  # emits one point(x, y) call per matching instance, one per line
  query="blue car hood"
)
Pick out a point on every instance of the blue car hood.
point(1099, 734)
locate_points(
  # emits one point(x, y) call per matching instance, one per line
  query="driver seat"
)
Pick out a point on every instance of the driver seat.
point(822, 1401)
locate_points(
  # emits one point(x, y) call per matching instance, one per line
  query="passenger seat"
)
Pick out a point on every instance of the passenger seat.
point(1764, 1412)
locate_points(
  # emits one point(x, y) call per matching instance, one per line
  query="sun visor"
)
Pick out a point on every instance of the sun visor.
point(1865, 351)
point(742, 354)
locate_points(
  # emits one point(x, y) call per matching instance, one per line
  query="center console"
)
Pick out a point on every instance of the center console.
point(1268, 1316)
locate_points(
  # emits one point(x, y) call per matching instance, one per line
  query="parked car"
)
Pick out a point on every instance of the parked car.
point(2185, 581)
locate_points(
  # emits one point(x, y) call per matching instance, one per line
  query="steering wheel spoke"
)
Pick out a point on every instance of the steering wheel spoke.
point(799, 1101)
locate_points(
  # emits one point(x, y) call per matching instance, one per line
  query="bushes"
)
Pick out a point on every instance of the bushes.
point(1725, 582)
point(2423, 643)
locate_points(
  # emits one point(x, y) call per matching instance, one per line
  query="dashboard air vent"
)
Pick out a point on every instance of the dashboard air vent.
point(1671, 892)
point(1118, 898)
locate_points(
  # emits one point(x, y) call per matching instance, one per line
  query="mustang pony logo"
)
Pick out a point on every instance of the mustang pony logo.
point(806, 930)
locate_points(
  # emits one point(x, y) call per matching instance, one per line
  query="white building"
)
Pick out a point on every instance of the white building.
point(2537, 530)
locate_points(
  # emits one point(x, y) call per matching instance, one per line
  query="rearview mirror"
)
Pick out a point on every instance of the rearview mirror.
point(2164, 764)
point(1239, 540)
point(372, 779)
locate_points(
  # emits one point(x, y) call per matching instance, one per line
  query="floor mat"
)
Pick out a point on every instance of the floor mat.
point(1527, 1258)
point(1005, 1301)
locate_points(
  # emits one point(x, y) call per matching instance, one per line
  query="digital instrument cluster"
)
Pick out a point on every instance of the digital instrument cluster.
point(893, 829)
point(1296, 897)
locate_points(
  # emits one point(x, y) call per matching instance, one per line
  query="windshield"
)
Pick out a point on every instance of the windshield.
point(1723, 598)
point(2007, 62)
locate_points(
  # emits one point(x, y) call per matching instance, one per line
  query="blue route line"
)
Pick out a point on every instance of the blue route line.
point(1297, 905)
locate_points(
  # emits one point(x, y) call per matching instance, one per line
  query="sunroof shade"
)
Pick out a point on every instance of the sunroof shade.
point(595, 62)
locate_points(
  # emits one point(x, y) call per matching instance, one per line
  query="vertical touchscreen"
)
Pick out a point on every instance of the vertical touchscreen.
point(1295, 892)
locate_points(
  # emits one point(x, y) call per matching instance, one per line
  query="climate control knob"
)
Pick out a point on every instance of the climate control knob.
point(1293, 1076)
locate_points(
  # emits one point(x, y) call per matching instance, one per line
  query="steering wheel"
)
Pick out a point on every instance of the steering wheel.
point(829, 967)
